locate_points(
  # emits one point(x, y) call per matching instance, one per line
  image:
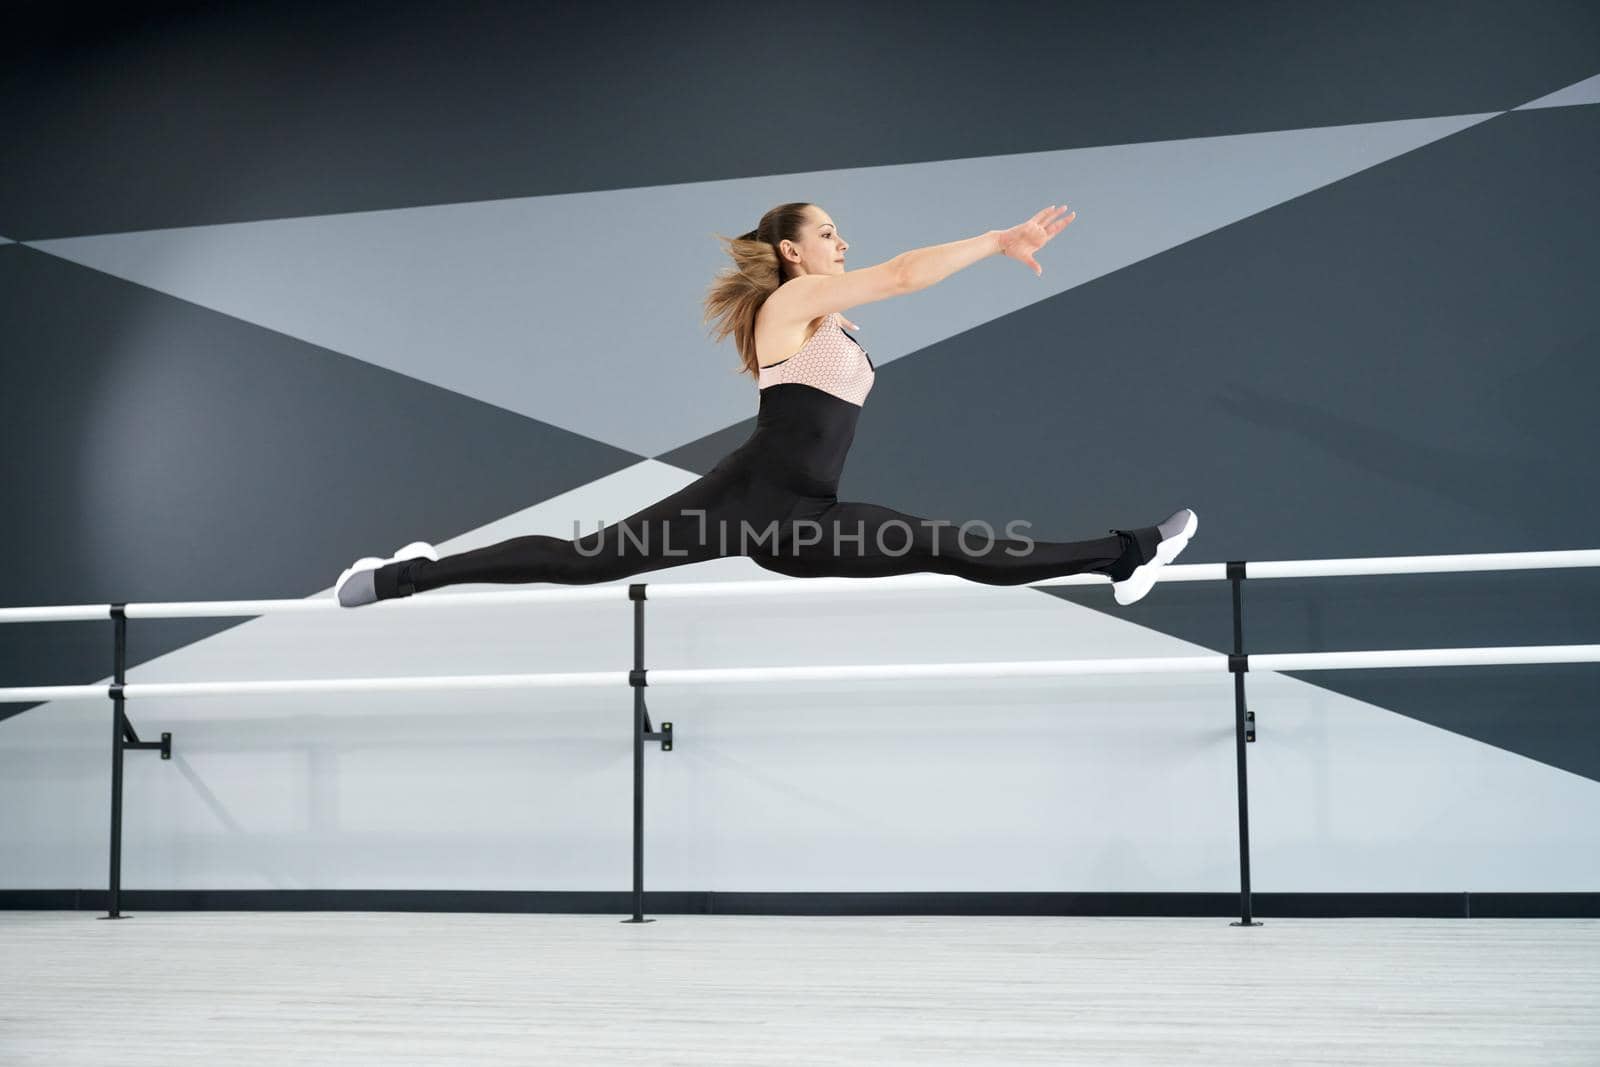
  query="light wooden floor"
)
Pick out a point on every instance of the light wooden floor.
point(393, 989)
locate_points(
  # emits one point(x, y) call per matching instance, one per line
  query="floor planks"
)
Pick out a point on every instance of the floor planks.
point(245, 988)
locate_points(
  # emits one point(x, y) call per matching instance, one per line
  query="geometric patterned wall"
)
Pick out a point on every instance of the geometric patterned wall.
point(284, 287)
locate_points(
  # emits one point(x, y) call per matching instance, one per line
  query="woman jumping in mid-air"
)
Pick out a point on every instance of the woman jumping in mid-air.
point(774, 498)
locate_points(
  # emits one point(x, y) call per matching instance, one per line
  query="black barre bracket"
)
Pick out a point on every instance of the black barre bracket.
point(130, 739)
point(636, 678)
point(130, 736)
point(664, 735)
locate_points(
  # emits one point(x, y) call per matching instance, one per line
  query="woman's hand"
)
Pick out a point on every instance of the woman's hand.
point(1024, 239)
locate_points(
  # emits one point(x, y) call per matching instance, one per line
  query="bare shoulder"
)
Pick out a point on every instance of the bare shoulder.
point(795, 310)
point(777, 338)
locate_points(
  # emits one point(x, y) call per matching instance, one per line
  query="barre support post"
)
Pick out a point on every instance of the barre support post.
point(1238, 664)
point(123, 738)
point(636, 681)
point(119, 665)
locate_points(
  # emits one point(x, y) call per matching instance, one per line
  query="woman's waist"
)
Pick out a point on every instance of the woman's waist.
point(804, 463)
point(801, 439)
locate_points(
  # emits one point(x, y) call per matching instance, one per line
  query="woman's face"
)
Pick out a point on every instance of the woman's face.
point(820, 249)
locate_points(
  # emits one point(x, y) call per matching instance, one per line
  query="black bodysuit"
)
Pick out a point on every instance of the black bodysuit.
point(774, 499)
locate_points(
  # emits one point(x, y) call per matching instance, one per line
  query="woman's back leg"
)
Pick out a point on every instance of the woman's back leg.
point(696, 523)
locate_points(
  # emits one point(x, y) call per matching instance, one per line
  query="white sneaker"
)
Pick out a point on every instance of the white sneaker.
point(1175, 534)
point(355, 585)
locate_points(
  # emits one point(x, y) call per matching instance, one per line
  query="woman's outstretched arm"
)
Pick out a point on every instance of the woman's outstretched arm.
point(813, 295)
point(922, 267)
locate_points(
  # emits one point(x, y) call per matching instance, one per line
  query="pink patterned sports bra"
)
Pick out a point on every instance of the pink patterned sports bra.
point(831, 360)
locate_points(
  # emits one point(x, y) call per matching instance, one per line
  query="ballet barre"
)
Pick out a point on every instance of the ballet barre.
point(1215, 663)
point(1238, 663)
point(782, 587)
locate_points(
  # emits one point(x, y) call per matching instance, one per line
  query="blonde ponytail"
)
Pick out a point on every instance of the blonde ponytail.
point(737, 293)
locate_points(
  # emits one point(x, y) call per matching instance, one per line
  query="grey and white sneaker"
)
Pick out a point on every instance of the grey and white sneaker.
point(1171, 537)
point(356, 585)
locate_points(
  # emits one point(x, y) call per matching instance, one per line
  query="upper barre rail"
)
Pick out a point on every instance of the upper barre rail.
point(1178, 572)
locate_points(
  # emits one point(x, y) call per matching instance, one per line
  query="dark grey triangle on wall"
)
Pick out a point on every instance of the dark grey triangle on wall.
point(1400, 363)
point(311, 108)
point(157, 450)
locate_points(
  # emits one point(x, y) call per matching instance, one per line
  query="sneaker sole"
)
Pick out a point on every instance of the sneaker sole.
point(1133, 588)
point(411, 551)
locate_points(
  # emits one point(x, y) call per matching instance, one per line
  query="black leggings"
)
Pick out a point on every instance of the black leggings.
point(735, 510)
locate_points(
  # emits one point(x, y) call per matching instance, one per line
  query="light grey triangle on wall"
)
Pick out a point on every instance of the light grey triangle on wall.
point(1584, 92)
point(164, 451)
point(583, 310)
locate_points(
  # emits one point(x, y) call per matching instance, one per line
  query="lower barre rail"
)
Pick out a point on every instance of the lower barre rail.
point(1208, 664)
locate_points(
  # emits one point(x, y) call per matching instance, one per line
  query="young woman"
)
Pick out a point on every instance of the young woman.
point(774, 497)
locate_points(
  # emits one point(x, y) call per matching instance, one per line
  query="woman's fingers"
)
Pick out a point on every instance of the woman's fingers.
point(1062, 223)
point(1034, 234)
point(1055, 226)
point(1039, 216)
point(1028, 237)
point(1047, 220)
